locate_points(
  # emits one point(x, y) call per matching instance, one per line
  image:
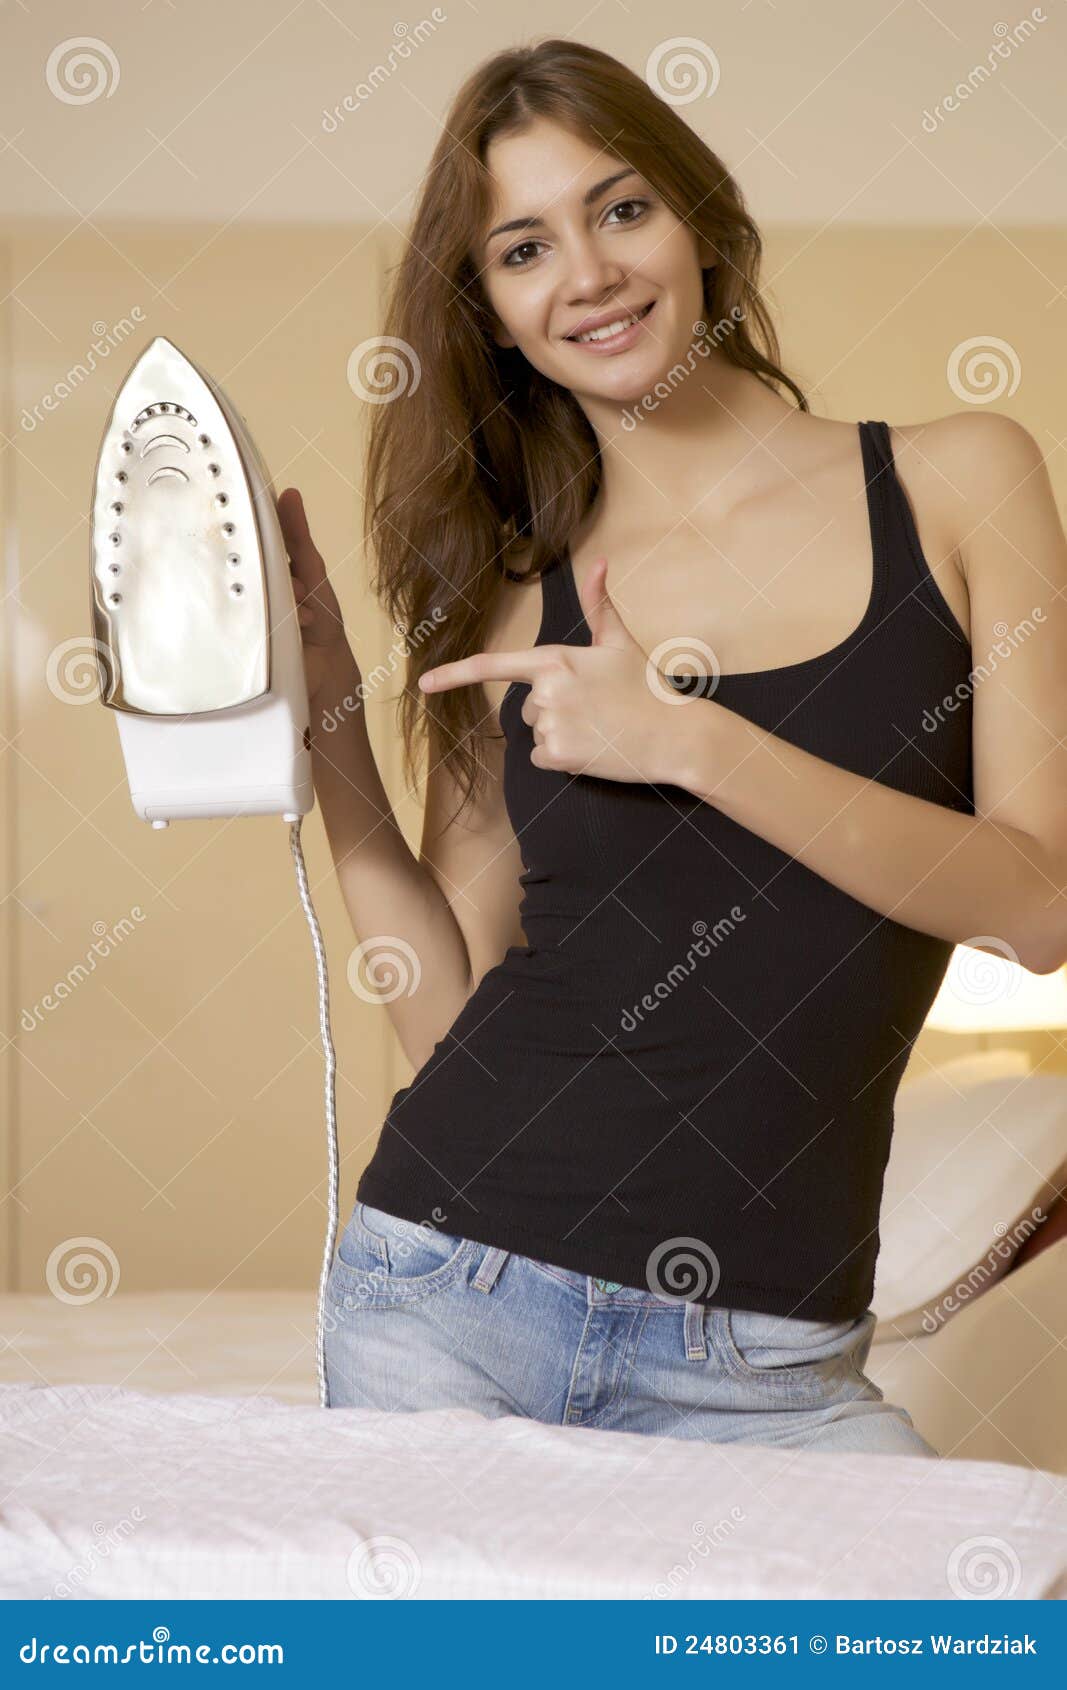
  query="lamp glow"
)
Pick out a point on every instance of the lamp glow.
point(983, 993)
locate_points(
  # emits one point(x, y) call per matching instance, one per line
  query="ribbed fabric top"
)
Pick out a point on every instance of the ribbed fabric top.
point(690, 1069)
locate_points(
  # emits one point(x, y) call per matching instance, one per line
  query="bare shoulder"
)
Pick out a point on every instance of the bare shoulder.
point(966, 463)
point(970, 445)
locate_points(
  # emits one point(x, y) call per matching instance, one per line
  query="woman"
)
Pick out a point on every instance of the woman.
point(700, 826)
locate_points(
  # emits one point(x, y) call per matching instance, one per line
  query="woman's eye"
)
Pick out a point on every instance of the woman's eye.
point(506, 261)
point(641, 204)
point(520, 248)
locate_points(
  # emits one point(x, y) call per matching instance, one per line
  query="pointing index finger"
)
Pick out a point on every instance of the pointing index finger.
point(486, 666)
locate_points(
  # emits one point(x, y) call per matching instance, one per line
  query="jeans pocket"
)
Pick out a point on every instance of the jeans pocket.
point(384, 1259)
point(782, 1350)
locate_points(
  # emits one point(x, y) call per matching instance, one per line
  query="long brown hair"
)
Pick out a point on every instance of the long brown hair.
point(475, 450)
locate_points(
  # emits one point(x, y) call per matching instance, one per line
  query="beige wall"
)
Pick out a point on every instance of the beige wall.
point(172, 1104)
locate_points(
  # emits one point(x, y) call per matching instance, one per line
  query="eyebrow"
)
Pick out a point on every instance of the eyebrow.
point(588, 198)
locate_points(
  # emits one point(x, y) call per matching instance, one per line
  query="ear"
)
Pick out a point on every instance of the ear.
point(606, 625)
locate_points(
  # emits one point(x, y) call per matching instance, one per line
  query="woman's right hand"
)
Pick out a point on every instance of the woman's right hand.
point(322, 629)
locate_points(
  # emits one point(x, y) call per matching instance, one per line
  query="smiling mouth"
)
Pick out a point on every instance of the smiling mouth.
point(618, 327)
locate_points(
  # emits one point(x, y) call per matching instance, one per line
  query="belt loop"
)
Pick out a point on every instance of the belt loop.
point(492, 1262)
point(696, 1348)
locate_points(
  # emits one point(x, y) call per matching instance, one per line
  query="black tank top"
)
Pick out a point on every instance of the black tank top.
point(694, 1059)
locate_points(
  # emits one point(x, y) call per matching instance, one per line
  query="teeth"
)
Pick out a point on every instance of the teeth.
point(610, 330)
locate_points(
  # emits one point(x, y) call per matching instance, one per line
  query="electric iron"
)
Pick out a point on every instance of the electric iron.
point(197, 639)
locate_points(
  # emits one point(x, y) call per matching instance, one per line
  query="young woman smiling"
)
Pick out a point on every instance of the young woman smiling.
point(692, 865)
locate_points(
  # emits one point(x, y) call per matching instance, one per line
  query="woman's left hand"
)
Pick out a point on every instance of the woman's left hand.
point(602, 709)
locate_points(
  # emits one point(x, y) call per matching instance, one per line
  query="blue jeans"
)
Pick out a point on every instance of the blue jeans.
point(418, 1318)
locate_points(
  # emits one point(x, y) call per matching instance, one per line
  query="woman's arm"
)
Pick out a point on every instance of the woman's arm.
point(453, 911)
point(446, 915)
point(1002, 872)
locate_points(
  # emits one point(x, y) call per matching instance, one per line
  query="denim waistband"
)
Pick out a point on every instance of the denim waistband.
point(604, 1293)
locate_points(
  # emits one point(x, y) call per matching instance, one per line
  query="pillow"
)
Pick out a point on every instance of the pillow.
point(961, 1072)
point(975, 1165)
point(991, 1385)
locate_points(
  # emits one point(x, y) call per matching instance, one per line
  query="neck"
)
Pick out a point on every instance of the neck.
point(715, 434)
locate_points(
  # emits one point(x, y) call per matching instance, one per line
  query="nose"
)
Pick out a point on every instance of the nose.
point(591, 273)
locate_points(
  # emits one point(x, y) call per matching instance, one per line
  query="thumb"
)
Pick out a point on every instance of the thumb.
point(304, 556)
point(605, 623)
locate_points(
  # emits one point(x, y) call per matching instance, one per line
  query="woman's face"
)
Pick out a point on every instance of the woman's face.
point(585, 236)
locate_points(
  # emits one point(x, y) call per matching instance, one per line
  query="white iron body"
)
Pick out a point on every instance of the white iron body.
point(198, 641)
